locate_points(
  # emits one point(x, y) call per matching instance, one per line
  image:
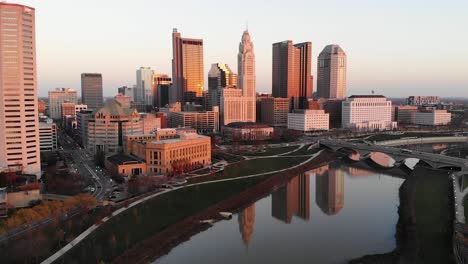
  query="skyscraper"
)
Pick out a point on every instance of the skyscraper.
point(246, 74)
point(161, 88)
point(331, 73)
point(291, 76)
point(144, 86)
point(220, 76)
point(19, 137)
point(292, 199)
point(91, 90)
point(329, 190)
point(187, 68)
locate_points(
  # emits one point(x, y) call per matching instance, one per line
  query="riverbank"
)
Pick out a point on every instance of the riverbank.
point(161, 243)
point(120, 233)
point(424, 228)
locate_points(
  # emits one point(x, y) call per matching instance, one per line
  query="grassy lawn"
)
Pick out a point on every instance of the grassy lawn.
point(273, 151)
point(150, 218)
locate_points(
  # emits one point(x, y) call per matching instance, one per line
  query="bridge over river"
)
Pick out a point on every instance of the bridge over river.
point(436, 161)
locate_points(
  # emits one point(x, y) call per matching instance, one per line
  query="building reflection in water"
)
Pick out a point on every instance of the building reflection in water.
point(329, 189)
point(246, 223)
point(292, 199)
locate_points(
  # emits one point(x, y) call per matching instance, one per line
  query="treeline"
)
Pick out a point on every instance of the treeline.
point(45, 210)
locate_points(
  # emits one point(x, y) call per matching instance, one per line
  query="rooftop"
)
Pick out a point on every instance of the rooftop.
point(113, 107)
point(367, 96)
point(247, 125)
point(121, 159)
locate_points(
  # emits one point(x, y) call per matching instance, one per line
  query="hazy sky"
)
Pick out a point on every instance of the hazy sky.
point(396, 47)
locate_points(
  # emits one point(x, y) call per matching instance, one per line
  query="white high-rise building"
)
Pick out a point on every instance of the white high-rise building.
point(246, 75)
point(367, 112)
point(19, 125)
point(59, 96)
point(144, 86)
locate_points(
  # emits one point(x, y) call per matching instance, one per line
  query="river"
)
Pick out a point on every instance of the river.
point(333, 214)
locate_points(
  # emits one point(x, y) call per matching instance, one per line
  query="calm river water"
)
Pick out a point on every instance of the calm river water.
point(332, 214)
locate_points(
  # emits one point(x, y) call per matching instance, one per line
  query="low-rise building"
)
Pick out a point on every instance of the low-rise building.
point(432, 118)
point(367, 112)
point(150, 122)
point(184, 151)
point(308, 120)
point(48, 136)
point(405, 114)
point(275, 111)
point(125, 165)
point(71, 109)
point(205, 122)
point(247, 131)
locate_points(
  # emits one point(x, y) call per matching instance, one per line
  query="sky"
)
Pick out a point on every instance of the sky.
point(395, 47)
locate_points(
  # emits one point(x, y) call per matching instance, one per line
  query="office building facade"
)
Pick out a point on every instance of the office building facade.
point(161, 89)
point(292, 72)
point(275, 111)
point(331, 73)
point(220, 76)
point(206, 122)
point(367, 112)
point(308, 120)
point(109, 125)
point(187, 68)
point(59, 96)
point(144, 85)
point(19, 137)
point(91, 90)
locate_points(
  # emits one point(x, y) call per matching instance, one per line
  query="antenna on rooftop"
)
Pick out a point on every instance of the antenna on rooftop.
point(373, 92)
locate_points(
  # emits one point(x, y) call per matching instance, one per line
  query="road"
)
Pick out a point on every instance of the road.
point(83, 164)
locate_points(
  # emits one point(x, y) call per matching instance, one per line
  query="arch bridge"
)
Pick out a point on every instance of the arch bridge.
point(435, 161)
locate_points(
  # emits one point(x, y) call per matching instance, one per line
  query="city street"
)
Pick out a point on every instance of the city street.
point(83, 164)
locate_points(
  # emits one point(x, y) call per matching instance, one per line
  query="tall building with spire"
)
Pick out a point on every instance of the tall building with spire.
point(246, 221)
point(187, 68)
point(331, 73)
point(246, 74)
point(19, 126)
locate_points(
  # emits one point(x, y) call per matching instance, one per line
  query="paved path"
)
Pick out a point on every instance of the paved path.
point(91, 229)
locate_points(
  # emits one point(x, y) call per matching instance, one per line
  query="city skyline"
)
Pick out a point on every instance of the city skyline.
point(384, 33)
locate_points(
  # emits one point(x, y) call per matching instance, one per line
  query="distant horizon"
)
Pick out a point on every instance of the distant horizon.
point(395, 48)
